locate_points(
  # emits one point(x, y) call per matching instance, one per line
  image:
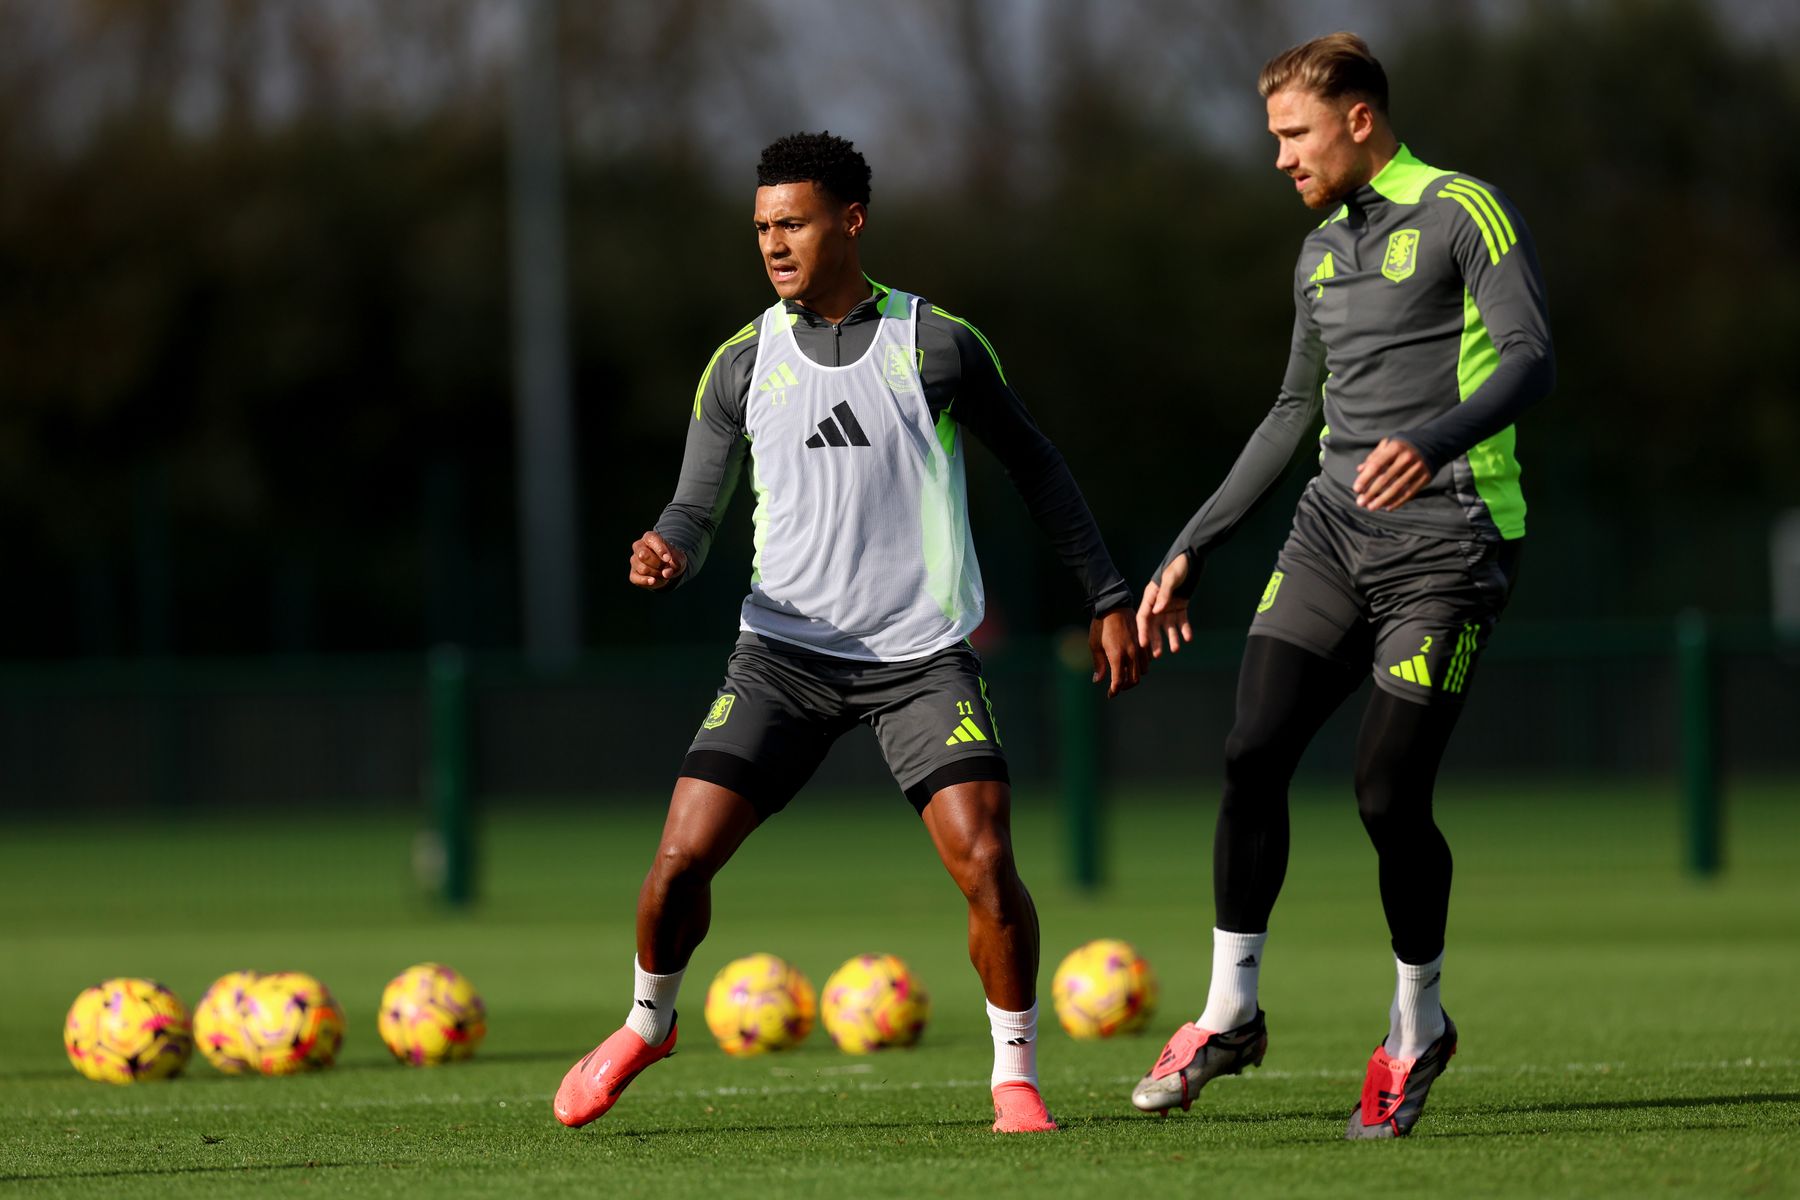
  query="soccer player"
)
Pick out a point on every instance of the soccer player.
point(851, 401)
point(1420, 330)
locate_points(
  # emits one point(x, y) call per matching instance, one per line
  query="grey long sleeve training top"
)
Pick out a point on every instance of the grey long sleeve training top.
point(1420, 315)
point(960, 373)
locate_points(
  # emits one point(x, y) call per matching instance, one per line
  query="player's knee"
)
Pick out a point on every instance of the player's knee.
point(1374, 796)
point(1389, 804)
point(681, 867)
point(1377, 822)
point(1253, 764)
point(983, 869)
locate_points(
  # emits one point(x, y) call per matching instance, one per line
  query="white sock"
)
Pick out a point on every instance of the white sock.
point(1231, 998)
point(1015, 1045)
point(1416, 1018)
point(652, 1003)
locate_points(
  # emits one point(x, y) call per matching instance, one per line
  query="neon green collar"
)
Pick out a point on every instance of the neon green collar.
point(1405, 178)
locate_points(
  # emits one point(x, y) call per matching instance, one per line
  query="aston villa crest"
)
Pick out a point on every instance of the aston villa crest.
point(1268, 596)
point(898, 370)
point(1402, 254)
point(719, 713)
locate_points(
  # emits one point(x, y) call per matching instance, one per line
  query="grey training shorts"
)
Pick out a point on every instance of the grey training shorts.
point(1417, 610)
point(781, 707)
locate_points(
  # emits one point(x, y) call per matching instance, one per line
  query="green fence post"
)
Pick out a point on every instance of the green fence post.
point(451, 840)
point(1078, 724)
point(1696, 672)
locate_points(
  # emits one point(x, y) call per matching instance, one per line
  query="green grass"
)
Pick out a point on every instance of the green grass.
point(1626, 1031)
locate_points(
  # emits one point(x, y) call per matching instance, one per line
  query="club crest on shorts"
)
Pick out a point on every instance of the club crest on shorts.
point(1268, 596)
point(898, 371)
point(719, 713)
point(1402, 254)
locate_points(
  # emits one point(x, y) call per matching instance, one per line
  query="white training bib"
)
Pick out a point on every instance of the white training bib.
point(863, 547)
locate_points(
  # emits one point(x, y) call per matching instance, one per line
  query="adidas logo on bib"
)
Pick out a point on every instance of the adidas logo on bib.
point(842, 432)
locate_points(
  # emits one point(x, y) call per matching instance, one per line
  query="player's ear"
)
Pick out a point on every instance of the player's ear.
point(1361, 120)
point(854, 218)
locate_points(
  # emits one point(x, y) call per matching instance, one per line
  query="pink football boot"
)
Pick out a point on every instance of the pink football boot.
point(594, 1083)
point(1018, 1108)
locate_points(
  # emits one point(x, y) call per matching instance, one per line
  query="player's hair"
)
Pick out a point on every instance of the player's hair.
point(1333, 66)
point(830, 162)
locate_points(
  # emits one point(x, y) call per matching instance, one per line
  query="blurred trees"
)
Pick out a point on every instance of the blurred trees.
point(254, 391)
point(1645, 147)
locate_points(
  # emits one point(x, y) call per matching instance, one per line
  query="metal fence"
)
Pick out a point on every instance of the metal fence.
point(202, 735)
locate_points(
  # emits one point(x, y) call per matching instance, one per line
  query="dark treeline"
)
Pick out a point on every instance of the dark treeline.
point(255, 387)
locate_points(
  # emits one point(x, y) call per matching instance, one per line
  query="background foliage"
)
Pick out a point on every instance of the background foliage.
point(255, 391)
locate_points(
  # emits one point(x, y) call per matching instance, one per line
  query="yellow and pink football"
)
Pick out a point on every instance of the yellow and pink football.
point(758, 1004)
point(128, 1030)
point(431, 1014)
point(874, 1002)
point(219, 1023)
point(291, 1023)
point(1103, 988)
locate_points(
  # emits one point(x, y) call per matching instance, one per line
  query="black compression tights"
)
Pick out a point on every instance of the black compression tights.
point(1284, 695)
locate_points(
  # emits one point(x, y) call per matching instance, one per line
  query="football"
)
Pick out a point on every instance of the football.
point(128, 1031)
point(219, 1023)
point(874, 1002)
point(1103, 988)
point(758, 1004)
point(431, 1014)
point(291, 1023)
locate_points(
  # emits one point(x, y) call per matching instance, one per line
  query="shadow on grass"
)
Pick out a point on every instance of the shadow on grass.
point(206, 1075)
point(1328, 1124)
point(1210, 1117)
point(244, 1168)
point(39, 1075)
point(563, 1057)
point(1069, 1124)
point(1656, 1102)
point(1653, 1128)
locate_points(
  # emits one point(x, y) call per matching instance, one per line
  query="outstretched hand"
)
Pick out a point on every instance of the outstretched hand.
point(654, 563)
point(1163, 614)
point(1119, 661)
point(1391, 475)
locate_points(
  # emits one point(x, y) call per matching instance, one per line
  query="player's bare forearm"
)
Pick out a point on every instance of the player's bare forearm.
point(654, 563)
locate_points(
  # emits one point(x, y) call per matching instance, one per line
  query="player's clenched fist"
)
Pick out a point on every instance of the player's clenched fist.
point(654, 563)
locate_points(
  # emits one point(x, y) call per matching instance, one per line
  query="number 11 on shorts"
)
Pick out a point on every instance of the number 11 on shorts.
point(966, 729)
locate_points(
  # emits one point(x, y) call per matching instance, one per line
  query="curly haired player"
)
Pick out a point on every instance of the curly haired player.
point(851, 401)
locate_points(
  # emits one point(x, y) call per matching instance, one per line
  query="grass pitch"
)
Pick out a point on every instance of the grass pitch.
point(1626, 1031)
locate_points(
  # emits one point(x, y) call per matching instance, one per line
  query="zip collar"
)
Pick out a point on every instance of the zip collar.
point(871, 308)
point(1402, 181)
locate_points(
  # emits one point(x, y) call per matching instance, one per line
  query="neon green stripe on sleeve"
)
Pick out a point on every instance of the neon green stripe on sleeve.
point(1499, 210)
point(979, 336)
point(759, 522)
point(1492, 462)
point(1480, 222)
point(700, 388)
point(1502, 233)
